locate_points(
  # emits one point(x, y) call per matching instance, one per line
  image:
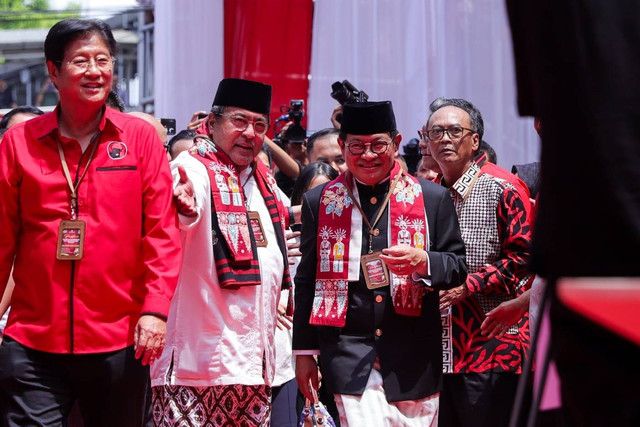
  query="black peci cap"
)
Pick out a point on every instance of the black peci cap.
point(366, 118)
point(247, 94)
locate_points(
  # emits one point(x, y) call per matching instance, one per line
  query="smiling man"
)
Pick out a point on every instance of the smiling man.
point(377, 245)
point(219, 360)
point(87, 221)
point(480, 372)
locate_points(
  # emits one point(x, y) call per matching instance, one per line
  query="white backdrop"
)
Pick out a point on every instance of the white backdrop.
point(189, 57)
point(406, 51)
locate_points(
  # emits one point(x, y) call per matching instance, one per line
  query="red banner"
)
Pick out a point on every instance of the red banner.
point(270, 41)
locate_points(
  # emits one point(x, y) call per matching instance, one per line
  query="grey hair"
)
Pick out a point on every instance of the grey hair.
point(217, 109)
point(477, 124)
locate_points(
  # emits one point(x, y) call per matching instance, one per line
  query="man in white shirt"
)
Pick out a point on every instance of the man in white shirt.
point(219, 359)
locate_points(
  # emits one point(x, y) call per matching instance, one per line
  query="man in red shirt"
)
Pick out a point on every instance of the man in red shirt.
point(88, 221)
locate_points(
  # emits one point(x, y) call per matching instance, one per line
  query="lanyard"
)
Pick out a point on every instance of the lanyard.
point(67, 175)
point(253, 166)
point(372, 230)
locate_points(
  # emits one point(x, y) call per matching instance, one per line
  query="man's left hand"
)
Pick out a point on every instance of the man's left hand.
point(404, 259)
point(148, 338)
point(501, 318)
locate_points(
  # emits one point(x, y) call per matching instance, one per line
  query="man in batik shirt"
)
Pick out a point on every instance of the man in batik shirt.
point(481, 373)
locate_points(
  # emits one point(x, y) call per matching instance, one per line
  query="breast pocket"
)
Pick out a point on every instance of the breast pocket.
point(120, 176)
point(116, 168)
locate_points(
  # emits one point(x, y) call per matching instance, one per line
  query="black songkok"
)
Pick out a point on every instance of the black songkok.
point(367, 118)
point(247, 94)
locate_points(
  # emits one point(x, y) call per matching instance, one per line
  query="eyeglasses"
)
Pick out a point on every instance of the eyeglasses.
point(358, 148)
point(242, 123)
point(103, 63)
point(436, 134)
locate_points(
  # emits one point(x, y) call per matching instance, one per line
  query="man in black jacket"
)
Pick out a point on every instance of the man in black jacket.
point(377, 245)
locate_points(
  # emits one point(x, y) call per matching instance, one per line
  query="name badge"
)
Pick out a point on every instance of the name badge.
point(256, 227)
point(70, 240)
point(376, 274)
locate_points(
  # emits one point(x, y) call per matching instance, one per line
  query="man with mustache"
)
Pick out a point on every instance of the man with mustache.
point(219, 360)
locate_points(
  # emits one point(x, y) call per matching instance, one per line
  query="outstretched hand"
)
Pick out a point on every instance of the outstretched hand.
point(183, 195)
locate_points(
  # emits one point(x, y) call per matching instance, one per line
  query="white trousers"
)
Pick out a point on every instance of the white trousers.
point(372, 409)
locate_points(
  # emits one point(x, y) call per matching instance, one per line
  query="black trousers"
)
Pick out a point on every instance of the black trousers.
point(39, 388)
point(477, 399)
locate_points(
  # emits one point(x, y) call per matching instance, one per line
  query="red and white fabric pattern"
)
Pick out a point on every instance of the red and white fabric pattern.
point(339, 263)
point(237, 405)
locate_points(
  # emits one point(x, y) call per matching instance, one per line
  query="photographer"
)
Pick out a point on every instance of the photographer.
point(292, 137)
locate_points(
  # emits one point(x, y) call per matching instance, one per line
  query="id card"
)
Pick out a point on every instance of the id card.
point(70, 240)
point(375, 271)
point(256, 228)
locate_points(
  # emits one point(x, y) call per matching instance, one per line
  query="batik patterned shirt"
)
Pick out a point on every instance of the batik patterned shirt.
point(496, 231)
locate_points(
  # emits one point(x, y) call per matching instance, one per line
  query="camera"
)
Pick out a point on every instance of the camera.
point(345, 93)
point(295, 132)
point(169, 125)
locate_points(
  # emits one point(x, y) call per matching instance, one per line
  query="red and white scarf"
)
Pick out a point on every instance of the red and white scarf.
point(339, 246)
point(234, 244)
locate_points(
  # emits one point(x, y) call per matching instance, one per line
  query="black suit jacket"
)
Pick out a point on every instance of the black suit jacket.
point(409, 348)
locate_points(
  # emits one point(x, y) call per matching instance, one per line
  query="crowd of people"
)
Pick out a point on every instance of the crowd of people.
point(221, 278)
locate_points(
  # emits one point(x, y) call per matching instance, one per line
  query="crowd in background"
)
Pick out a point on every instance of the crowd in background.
point(222, 277)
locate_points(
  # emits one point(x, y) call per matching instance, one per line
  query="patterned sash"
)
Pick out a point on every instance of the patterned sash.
point(339, 262)
point(234, 245)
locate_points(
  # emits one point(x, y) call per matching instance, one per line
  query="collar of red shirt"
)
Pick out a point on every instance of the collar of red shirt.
point(48, 123)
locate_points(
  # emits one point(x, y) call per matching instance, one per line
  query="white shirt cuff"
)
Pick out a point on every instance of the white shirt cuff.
point(416, 278)
point(306, 352)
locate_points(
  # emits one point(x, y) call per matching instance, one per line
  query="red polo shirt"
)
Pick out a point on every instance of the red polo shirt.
point(132, 250)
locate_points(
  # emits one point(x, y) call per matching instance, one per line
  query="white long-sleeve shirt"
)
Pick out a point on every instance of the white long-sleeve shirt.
point(219, 336)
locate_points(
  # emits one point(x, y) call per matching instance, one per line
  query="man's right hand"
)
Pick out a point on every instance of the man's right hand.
point(196, 121)
point(307, 370)
point(183, 195)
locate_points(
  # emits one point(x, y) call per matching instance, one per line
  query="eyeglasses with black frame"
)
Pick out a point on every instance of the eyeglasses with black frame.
point(241, 123)
point(358, 148)
point(437, 133)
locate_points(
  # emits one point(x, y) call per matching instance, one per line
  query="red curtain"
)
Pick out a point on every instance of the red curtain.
point(270, 41)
